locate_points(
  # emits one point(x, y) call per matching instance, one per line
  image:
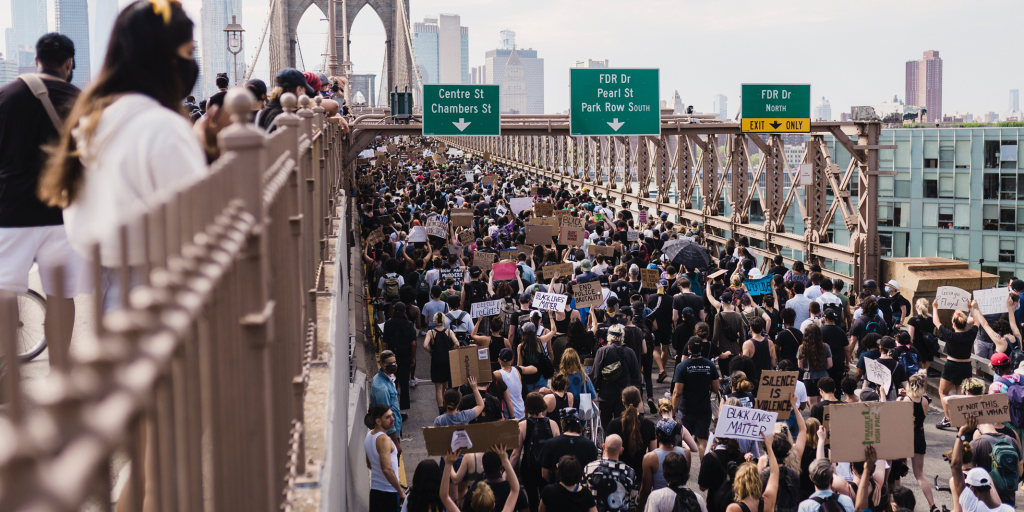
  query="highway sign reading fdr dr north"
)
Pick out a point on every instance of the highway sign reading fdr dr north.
point(614, 102)
point(461, 109)
point(776, 108)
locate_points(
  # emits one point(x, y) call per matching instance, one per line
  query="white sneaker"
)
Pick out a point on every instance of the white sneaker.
point(413, 382)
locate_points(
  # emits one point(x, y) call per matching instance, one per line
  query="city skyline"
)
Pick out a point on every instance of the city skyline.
point(647, 27)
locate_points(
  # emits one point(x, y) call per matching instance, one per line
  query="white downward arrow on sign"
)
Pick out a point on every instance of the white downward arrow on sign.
point(615, 124)
point(462, 124)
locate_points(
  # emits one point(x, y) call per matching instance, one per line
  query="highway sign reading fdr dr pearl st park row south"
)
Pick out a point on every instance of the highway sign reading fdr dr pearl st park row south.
point(614, 102)
point(776, 108)
point(461, 109)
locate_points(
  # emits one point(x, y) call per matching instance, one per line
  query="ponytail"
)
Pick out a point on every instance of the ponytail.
point(631, 418)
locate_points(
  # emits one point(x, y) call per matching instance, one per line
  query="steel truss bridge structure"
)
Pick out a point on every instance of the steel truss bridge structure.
point(684, 160)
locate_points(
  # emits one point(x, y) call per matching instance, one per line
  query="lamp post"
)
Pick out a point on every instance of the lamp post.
point(233, 33)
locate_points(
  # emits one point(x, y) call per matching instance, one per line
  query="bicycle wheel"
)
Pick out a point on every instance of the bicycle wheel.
point(31, 339)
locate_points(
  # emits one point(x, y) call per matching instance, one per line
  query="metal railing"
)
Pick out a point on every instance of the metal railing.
point(200, 378)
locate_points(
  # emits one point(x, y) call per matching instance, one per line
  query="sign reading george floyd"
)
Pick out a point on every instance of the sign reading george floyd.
point(776, 108)
point(744, 423)
point(461, 109)
point(994, 408)
point(774, 392)
point(614, 102)
point(951, 297)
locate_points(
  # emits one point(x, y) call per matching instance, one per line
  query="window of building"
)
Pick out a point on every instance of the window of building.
point(930, 215)
point(989, 217)
point(1008, 154)
point(945, 249)
point(1007, 251)
point(885, 239)
point(946, 186)
point(1007, 219)
point(1005, 276)
point(1020, 219)
point(886, 185)
point(962, 247)
point(963, 154)
point(1008, 186)
point(990, 249)
point(885, 214)
point(931, 163)
point(900, 242)
point(945, 217)
point(946, 154)
point(990, 187)
point(963, 186)
point(931, 188)
point(991, 154)
point(962, 216)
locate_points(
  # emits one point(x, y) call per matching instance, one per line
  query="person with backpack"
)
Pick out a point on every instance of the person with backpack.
point(484, 499)
point(391, 282)
point(780, 447)
point(400, 337)
point(730, 328)
point(615, 367)
point(921, 332)
point(479, 470)
point(675, 497)
point(566, 494)
point(534, 432)
point(613, 483)
point(1007, 462)
point(653, 476)
point(473, 291)
point(1003, 342)
point(693, 381)
point(749, 491)
point(459, 321)
point(438, 342)
point(533, 351)
point(570, 443)
point(824, 499)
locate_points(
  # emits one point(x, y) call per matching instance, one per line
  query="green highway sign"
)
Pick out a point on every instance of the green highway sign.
point(776, 108)
point(614, 102)
point(461, 109)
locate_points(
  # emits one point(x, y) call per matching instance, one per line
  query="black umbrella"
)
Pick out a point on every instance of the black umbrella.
point(686, 253)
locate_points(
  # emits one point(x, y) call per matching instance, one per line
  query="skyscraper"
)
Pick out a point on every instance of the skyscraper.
point(440, 47)
point(104, 14)
point(73, 21)
point(677, 103)
point(1014, 100)
point(823, 112)
point(216, 15)
point(533, 70)
point(924, 85)
point(28, 23)
point(513, 86)
point(364, 85)
point(720, 107)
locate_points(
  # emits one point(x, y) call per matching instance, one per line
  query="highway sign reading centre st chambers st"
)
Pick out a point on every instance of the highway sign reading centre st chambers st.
point(776, 108)
point(461, 109)
point(614, 102)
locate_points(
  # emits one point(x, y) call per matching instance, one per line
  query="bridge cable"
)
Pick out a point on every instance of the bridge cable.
point(266, 28)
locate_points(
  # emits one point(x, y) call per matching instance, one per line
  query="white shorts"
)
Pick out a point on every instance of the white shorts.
point(46, 245)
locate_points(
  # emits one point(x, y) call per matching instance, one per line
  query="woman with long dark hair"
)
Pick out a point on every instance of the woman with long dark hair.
point(532, 353)
point(815, 359)
point(128, 138)
point(423, 495)
point(636, 431)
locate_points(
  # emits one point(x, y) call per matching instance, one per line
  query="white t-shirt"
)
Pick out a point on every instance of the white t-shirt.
point(664, 500)
point(380, 284)
point(970, 503)
point(801, 393)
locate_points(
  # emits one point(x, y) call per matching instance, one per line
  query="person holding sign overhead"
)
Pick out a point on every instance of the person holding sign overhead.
point(959, 343)
point(749, 494)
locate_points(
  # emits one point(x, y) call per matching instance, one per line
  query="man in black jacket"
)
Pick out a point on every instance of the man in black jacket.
point(611, 383)
point(30, 231)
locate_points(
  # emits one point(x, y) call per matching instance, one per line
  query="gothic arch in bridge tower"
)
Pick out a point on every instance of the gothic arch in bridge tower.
point(286, 21)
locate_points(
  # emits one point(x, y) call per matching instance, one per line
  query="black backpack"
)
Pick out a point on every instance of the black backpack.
point(723, 495)
point(830, 504)
point(459, 329)
point(539, 432)
point(686, 500)
point(788, 499)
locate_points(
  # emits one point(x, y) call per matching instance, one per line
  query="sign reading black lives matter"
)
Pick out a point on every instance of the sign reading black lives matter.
point(773, 395)
point(744, 423)
point(549, 301)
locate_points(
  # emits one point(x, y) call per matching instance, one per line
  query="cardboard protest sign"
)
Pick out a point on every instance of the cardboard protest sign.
point(470, 361)
point(987, 408)
point(454, 248)
point(365, 180)
point(543, 221)
point(487, 180)
point(392, 148)
point(519, 182)
point(386, 220)
point(375, 237)
point(489, 308)
point(467, 237)
point(992, 301)
point(417, 234)
point(484, 260)
point(888, 426)
point(462, 217)
point(600, 250)
point(550, 301)
point(570, 222)
point(538, 235)
point(533, 191)
point(524, 249)
point(774, 392)
point(571, 236)
point(438, 440)
point(519, 204)
point(632, 235)
point(951, 297)
point(761, 286)
point(562, 269)
point(507, 255)
point(649, 278)
point(543, 209)
point(588, 294)
point(744, 423)
point(825, 421)
point(437, 225)
point(878, 373)
point(457, 275)
point(486, 156)
point(642, 217)
point(504, 271)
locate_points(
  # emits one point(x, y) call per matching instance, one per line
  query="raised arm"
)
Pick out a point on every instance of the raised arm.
point(510, 475)
point(979, 319)
point(863, 500)
point(479, 408)
point(935, 314)
point(714, 303)
point(449, 463)
point(475, 336)
point(801, 437)
point(771, 490)
point(1014, 328)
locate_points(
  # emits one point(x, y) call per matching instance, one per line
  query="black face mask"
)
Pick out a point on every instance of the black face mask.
point(188, 72)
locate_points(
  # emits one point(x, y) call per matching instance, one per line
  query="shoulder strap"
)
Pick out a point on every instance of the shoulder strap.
point(38, 88)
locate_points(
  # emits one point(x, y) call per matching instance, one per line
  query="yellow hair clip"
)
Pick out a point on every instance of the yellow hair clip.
point(163, 8)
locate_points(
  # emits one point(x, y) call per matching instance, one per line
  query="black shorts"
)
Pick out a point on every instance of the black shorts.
point(957, 372)
point(440, 373)
point(920, 446)
point(699, 425)
point(382, 501)
point(812, 387)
